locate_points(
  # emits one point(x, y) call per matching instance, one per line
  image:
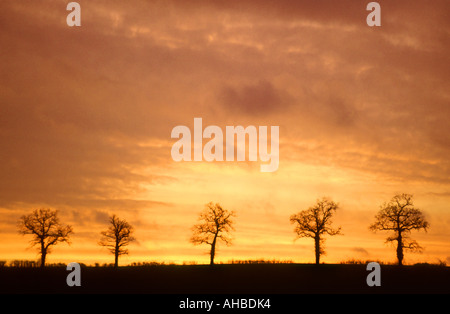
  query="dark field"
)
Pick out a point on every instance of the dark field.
point(229, 279)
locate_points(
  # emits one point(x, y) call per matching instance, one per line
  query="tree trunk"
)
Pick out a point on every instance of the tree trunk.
point(213, 250)
point(116, 255)
point(116, 260)
point(317, 248)
point(400, 249)
point(43, 254)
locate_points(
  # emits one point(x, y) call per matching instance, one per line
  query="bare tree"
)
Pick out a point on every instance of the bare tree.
point(315, 222)
point(400, 216)
point(215, 223)
point(117, 237)
point(43, 224)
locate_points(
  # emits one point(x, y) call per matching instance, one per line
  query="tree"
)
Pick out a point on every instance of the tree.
point(315, 222)
point(46, 229)
point(400, 216)
point(216, 222)
point(117, 237)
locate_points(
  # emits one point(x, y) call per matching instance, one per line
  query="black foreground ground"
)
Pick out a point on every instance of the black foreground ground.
point(229, 279)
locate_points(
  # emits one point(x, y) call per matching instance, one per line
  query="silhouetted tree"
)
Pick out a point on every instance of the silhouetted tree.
point(117, 237)
point(315, 222)
point(215, 223)
point(43, 224)
point(400, 216)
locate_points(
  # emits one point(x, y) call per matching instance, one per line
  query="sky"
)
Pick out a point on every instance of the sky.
point(86, 115)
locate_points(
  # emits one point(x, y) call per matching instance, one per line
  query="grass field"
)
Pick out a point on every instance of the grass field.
point(229, 279)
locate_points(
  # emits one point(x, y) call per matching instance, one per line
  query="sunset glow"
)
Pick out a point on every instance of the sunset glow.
point(86, 115)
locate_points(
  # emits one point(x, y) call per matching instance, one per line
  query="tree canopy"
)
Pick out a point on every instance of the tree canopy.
point(401, 217)
point(43, 224)
point(315, 222)
point(215, 224)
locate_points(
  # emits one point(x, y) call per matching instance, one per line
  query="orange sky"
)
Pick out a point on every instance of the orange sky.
point(86, 115)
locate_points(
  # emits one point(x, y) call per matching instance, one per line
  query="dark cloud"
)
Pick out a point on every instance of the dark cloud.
point(86, 212)
point(260, 98)
point(360, 251)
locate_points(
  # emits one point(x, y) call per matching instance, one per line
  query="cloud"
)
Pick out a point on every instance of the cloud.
point(360, 251)
point(260, 98)
point(134, 71)
point(377, 103)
